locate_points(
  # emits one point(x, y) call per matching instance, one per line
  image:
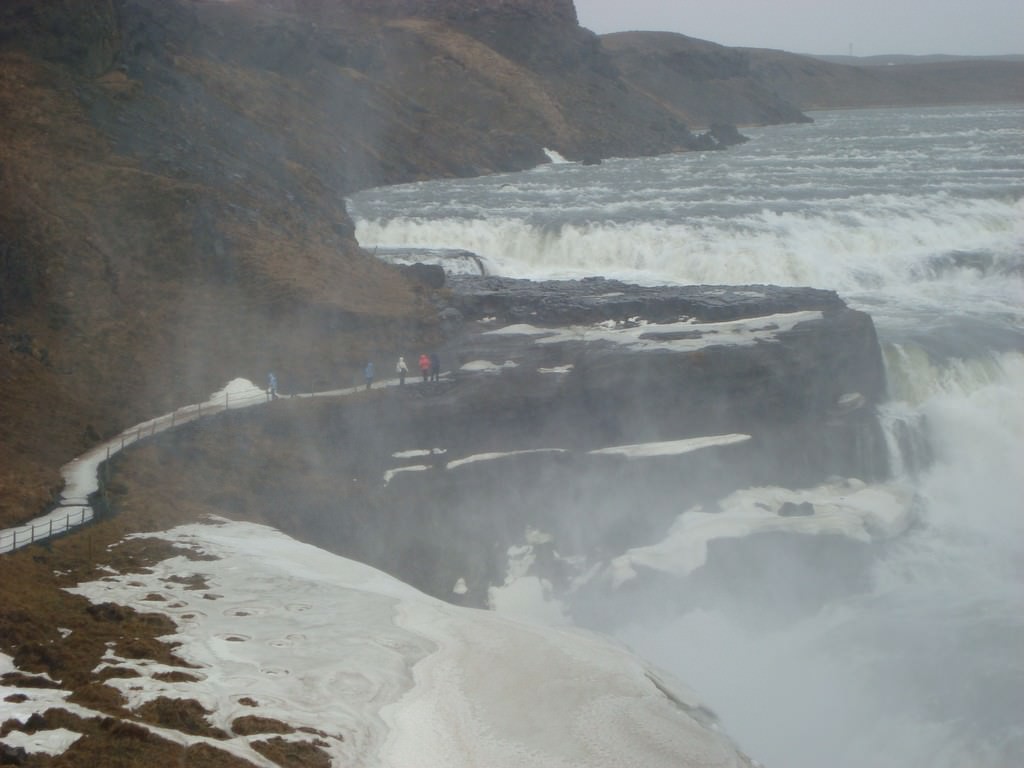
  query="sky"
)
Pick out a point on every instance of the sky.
point(825, 27)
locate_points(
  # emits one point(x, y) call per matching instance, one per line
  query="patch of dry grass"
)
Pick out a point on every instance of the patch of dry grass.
point(293, 754)
point(184, 715)
point(116, 743)
point(247, 725)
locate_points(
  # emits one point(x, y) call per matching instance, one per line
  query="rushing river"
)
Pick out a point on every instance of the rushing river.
point(917, 217)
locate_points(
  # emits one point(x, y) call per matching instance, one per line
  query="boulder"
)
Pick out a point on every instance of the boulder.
point(430, 275)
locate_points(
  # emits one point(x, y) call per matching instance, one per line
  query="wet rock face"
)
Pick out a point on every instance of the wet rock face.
point(593, 300)
point(645, 362)
point(605, 364)
point(547, 391)
point(629, 364)
point(544, 378)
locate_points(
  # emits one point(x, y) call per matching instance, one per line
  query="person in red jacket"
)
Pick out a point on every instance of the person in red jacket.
point(425, 366)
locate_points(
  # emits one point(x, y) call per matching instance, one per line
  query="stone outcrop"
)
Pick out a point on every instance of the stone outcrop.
point(434, 482)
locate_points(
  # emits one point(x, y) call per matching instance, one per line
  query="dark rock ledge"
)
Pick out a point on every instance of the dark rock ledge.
point(595, 299)
point(584, 365)
point(434, 482)
point(608, 363)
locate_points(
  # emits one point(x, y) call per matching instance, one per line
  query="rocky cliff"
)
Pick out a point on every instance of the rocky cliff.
point(172, 177)
point(549, 390)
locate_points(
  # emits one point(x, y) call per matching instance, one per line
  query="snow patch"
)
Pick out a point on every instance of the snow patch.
point(672, 447)
point(846, 508)
point(499, 455)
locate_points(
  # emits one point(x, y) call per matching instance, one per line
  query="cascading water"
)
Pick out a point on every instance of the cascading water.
point(916, 217)
point(927, 668)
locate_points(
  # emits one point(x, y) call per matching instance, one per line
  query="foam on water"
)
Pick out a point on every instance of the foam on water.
point(926, 668)
point(874, 243)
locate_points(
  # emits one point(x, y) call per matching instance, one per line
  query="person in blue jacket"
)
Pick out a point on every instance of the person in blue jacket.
point(368, 374)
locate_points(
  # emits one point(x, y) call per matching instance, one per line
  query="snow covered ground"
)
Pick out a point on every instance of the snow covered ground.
point(81, 474)
point(682, 336)
point(382, 675)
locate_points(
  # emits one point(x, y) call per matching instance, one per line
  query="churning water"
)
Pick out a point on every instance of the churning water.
point(917, 217)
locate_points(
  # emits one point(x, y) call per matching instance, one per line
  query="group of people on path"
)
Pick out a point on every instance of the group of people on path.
point(430, 369)
point(429, 364)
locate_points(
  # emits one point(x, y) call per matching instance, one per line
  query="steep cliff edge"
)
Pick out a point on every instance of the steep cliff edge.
point(593, 411)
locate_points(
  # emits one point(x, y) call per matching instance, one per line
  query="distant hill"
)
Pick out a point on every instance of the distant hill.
point(710, 82)
point(705, 82)
point(815, 84)
point(902, 58)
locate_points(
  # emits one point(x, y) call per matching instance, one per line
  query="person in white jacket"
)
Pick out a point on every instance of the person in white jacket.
point(401, 369)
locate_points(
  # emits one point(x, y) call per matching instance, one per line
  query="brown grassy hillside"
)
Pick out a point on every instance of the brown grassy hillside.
point(705, 82)
point(128, 288)
point(172, 183)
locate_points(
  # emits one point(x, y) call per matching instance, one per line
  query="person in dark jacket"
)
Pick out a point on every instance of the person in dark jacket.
point(435, 367)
